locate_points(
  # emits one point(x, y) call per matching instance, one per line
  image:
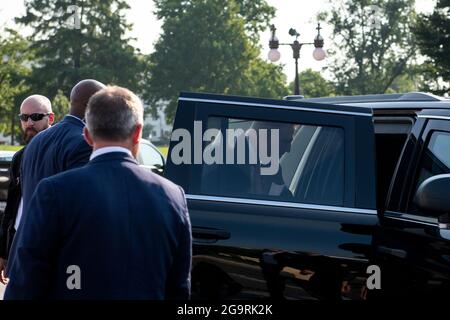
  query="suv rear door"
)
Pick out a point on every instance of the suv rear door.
point(302, 232)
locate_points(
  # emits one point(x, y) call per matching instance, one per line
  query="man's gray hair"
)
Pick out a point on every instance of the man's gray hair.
point(113, 113)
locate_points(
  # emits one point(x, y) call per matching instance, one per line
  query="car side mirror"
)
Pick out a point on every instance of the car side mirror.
point(432, 196)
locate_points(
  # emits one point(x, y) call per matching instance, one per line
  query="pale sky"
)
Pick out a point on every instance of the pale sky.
point(298, 14)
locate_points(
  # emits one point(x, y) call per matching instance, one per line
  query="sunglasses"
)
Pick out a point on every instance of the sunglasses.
point(34, 116)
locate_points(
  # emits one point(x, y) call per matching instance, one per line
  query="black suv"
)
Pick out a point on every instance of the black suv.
point(359, 207)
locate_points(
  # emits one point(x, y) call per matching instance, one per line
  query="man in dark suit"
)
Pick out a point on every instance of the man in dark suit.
point(62, 147)
point(35, 115)
point(108, 230)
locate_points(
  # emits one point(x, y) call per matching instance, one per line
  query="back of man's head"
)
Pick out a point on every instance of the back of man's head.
point(113, 114)
point(80, 95)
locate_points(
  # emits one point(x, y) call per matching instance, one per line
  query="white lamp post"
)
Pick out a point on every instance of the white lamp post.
point(274, 55)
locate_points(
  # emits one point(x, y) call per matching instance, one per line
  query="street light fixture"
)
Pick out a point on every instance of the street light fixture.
point(274, 55)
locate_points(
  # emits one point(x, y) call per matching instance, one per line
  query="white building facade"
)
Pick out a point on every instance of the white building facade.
point(160, 130)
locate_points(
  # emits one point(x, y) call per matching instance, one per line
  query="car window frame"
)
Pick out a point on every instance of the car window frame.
point(205, 110)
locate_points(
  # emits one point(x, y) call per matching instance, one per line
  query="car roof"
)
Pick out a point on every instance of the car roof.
point(401, 101)
point(376, 104)
point(6, 156)
point(146, 141)
point(272, 103)
point(7, 153)
point(389, 97)
point(436, 112)
point(410, 105)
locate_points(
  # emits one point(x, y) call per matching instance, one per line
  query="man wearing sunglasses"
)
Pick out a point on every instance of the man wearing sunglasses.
point(61, 147)
point(35, 115)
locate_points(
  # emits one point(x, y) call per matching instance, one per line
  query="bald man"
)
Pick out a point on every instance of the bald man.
point(61, 147)
point(35, 115)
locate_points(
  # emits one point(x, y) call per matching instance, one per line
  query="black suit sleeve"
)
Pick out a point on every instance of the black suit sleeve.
point(79, 156)
point(35, 245)
point(178, 286)
point(12, 204)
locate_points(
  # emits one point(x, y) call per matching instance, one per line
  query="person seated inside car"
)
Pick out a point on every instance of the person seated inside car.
point(261, 174)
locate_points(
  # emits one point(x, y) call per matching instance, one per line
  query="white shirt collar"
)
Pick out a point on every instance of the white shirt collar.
point(104, 150)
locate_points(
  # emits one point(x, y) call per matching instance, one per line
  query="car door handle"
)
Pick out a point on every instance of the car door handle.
point(210, 233)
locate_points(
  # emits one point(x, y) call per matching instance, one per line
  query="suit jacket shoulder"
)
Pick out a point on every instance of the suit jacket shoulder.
point(54, 150)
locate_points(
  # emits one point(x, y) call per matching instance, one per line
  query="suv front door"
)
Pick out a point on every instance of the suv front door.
point(414, 257)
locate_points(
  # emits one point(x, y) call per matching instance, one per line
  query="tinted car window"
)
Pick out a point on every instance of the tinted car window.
point(435, 160)
point(309, 160)
point(440, 146)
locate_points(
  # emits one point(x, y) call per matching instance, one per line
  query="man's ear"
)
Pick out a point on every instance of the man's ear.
point(137, 134)
point(87, 137)
point(51, 118)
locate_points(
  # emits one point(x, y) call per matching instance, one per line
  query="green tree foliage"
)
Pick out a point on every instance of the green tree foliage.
point(433, 39)
point(409, 81)
point(66, 54)
point(256, 14)
point(313, 84)
point(264, 79)
point(211, 46)
point(14, 71)
point(367, 59)
point(60, 105)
